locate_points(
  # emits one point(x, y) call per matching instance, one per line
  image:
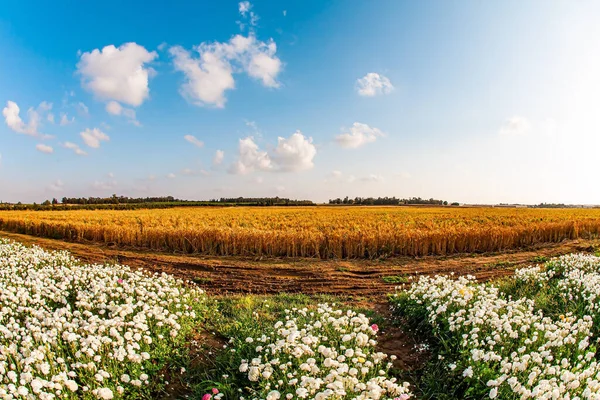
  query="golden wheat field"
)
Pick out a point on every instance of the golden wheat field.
point(320, 232)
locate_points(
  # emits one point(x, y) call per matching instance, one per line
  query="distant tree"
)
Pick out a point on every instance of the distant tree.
point(45, 203)
point(54, 201)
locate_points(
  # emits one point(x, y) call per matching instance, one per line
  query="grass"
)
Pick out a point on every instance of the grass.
point(397, 279)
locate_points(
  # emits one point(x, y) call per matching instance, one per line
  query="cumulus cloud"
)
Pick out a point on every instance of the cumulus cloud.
point(210, 74)
point(115, 108)
point(76, 149)
point(515, 126)
point(194, 140)
point(359, 135)
point(295, 153)
point(50, 118)
point(13, 119)
point(171, 175)
point(191, 172)
point(82, 109)
point(64, 119)
point(338, 177)
point(104, 185)
point(245, 9)
point(56, 186)
point(218, 158)
point(250, 158)
point(373, 178)
point(118, 73)
point(93, 137)
point(373, 84)
point(45, 106)
point(44, 148)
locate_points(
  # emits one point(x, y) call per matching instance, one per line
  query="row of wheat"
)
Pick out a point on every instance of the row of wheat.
point(320, 232)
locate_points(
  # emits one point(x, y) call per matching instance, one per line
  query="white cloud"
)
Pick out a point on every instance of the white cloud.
point(64, 119)
point(50, 118)
point(45, 106)
point(110, 175)
point(82, 109)
point(338, 177)
point(218, 158)
point(210, 75)
point(373, 84)
point(191, 172)
point(244, 7)
point(75, 148)
point(250, 158)
point(13, 120)
point(207, 77)
point(171, 175)
point(373, 178)
point(44, 148)
point(295, 153)
point(284, 13)
point(119, 74)
point(93, 137)
point(194, 140)
point(515, 126)
point(56, 186)
point(359, 135)
point(105, 185)
point(115, 108)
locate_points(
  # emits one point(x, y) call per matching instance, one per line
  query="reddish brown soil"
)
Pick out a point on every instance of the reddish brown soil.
point(354, 278)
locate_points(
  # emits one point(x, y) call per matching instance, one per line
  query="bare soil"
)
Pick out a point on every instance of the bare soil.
point(359, 279)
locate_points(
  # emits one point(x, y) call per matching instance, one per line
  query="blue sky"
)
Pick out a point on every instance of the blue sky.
point(469, 101)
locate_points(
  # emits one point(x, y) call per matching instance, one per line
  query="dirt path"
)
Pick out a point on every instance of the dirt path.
point(356, 278)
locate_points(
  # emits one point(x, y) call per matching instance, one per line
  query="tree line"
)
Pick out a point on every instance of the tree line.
point(388, 201)
point(131, 203)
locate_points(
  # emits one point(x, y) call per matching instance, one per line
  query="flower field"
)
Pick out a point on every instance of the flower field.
point(317, 232)
point(533, 336)
point(72, 331)
point(319, 354)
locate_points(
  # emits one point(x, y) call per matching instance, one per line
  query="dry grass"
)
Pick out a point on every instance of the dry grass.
point(320, 232)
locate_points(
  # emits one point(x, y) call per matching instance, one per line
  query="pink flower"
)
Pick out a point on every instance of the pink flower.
point(120, 281)
point(215, 390)
point(206, 397)
point(375, 327)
